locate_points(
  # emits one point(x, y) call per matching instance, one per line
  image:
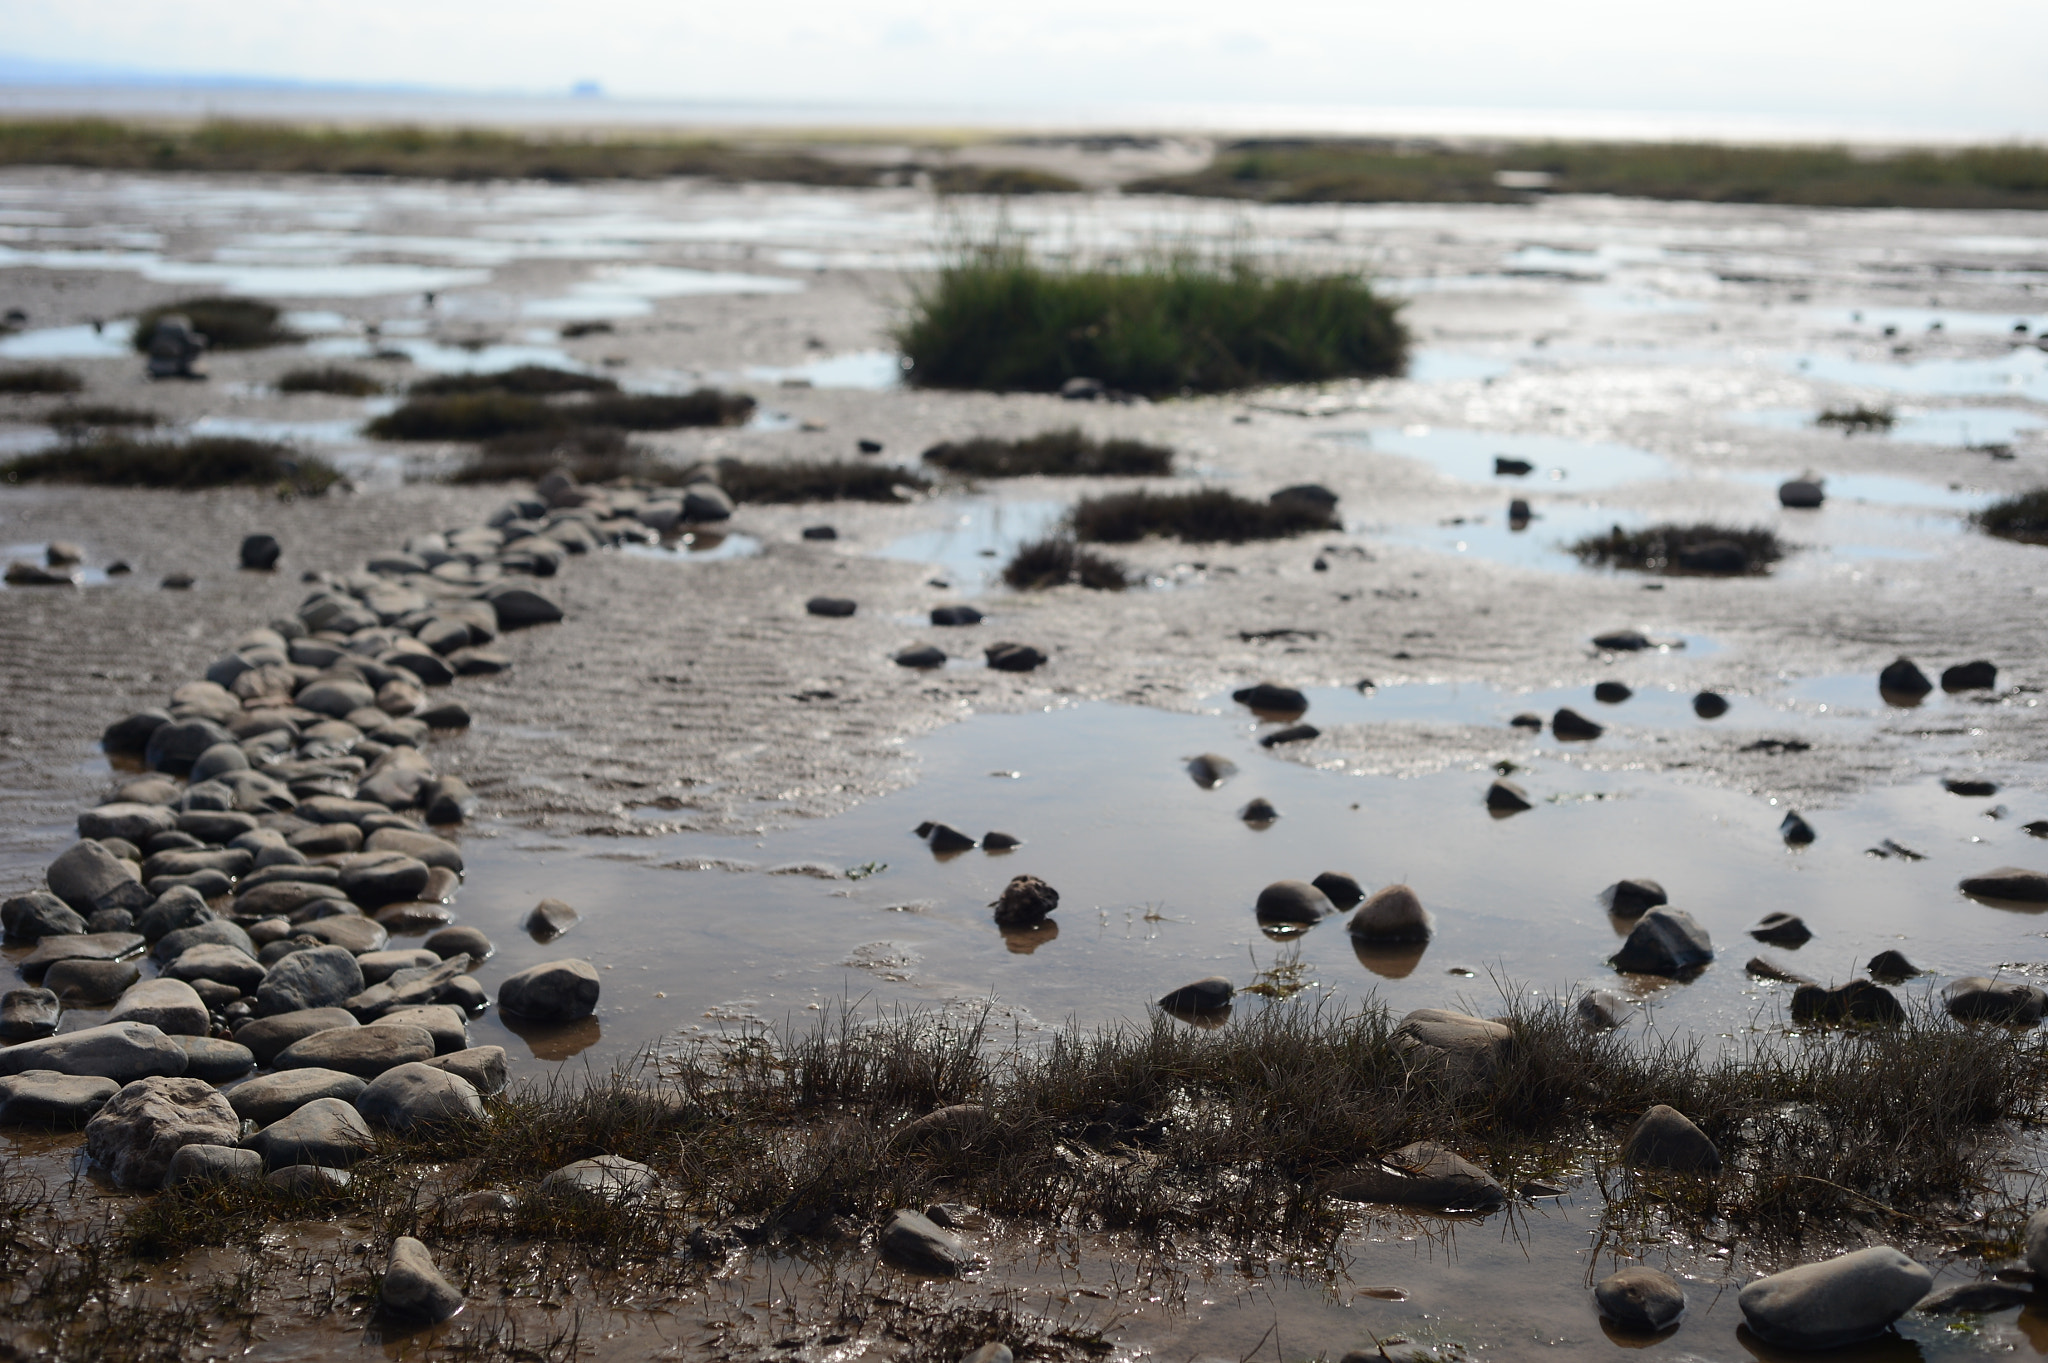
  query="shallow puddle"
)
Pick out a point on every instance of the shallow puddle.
point(109, 341)
point(975, 537)
point(871, 370)
point(1558, 462)
point(2021, 372)
point(1959, 426)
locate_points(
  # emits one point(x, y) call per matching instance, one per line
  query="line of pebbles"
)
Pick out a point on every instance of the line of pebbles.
point(286, 820)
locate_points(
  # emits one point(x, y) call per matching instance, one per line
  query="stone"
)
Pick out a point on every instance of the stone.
point(1838, 1301)
point(820, 532)
point(260, 551)
point(1611, 692)
point(308, 1180)
point(1796, 831)
point(1891, 967)
point(213, 1164)
point(290, 899)
point(482, 1066)
point(1640, 1299)
point(78, 946)
point(373, 879)
point(36, 915)
point(448, 799)
point(832, 607)
point(111, 920)
point(1422, 1174)
point(2035, 1243)
point(1665, 1138)
point(326, 840)
point(1622, 641)
point(922, 656)
point(90, 983)
point(413, 1287)
point(460, 941)
point(218, 760)
point(222, 964)
point(557, 991)
point(1802, 494)
point(1782, 929)
point(955, 616)
point(1602, 1010)
point(1976, 676)
point(1710, 705)
point(2009, 882)
point(1274, 699)
point(1210, 770)
point(171, 1006)
point(422, 847)
point(1307, 495)
point(365, 1051)
point(1976, 998)
point(53, 1101)
point(273, 1097)
point(416, 1094)
point(1664, 941)
point(1393, 914)
point(326, 1132)
point(611, 1177)
point(1989, 1295)
point(378, 966)
point(1259, 812)
point(1292, 901)
point(320, 977)
point(1459, 1051)
point(1013, 657)
point(1024, 902)
point(217, 932)
point(1293, 733)
point(130, 736)
point(123, 819)
point(28, 1014)
point(351, 931)
point(1210, 995)
point(1568, 724)
point(991, 1352)
point(335, 697)
point(1527, 720)
point(911, 1240)
point(445, 1023)
point(944, 838)
point(1342, 890)
point(549, 919)
point(182, 907)
point(134, 1136)
point(1633, 898)
point(1902, 678)
point(214, 1060)
point(993, 841)
point(945, 1128)
point(175, 746)
point(207, 884)
point(1856, 1001)
point(1506, 797)
point(89, 878)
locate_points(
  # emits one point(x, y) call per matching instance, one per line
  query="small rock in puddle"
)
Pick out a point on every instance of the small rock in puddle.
point(1025, 901)
point(1782, 929)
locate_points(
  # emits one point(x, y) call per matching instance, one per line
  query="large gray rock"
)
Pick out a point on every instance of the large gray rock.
point(413, 1287)
point(358, 935)
point(558, 991)
point(482, 1066)
point(28, 1014)
point(175, 746)
point(321, 977)
point(138, 823)
point(45, 1098)
point(89, 878)
point(1393, 914)
point(222, 964)
point(335, 696)
point(134, 1136)
point(36, 915)
point(612, 1177)
point(267, 1037)
point(911, 1239)
point(424, 847)
point(90, 984)
point(78, 946)
point(219, 932)
point(121, 1051)
point(1419, 1175)
point(363, 1051)
point(326, 1132)
point(213, 1164)
point(518, 607)
point(1640, 1299)
point(1664, 942)
point(1457, 1050)
point(1209, 995)
point(1976, 998)
point(448, 1025)
point(1836, 1302)
point(1665, 1138)
point(171, 1006)
point(273, 1097)
point(379, 966)
point(182, 907)
point(415, 1094)
point(214, 1060)
point(373, 879)
point(2007, 882)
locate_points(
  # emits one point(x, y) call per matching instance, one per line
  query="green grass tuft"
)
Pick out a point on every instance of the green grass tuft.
point(1716, 550)
point(994, 319)
point(200, 462)
point(1003, 180)
point(40, 378)
point(492, 412)
point(527, 380)
point(817, 481)
point(73, 419)
point(2023, 516)
point(664, 412)
point(1200, 516)
point(1858, 418)
point(333, 378)
point(1059, 454)
point(1057, 561)
point(589, 454)
point(226, 323)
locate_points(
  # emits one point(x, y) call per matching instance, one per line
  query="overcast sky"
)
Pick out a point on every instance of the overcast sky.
point(1970, 66)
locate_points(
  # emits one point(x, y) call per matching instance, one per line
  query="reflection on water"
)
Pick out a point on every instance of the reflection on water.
point(874, 370)
point(975, 538)
point(2021, 372)
point(1558, 461)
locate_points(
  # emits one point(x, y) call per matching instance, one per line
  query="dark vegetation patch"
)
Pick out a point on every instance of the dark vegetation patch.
point(2023, 516)
point(73, 419)
point(40, 378)
point(1057, 454)
point(482, 414)
point(1198, 516)
point(1717, 550)
point(198, 462)
point(817, 481)
point(664, 412)
point(995, 319)
point(1003, 180)
point(1057, 561)
point(332, 378)
point(528, 380)
point(590, 454)
point(1850, 420)
point(226, 323)
point(1304, 170)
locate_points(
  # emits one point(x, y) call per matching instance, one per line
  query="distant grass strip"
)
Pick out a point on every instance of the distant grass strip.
point(1057, 561)
point(452, 154)
point(226, 323)
point(994, 319)
point(527, 380)
point(40, 378)
point(1850, 420)
point(1001, 180)
point(589, 454)
point(817, 481)
point(1200, 516)
point(333, 378)
point(201, 462)
point(2023, 517)
point(1713, 550)
point(1057, 454)
point(493, 412)
point(73, 419)
point(1380, 171)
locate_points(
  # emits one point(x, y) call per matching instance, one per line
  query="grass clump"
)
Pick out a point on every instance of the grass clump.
point(1704, 548)
point(995, 319)
point(527, 380)
point(1002, 180)
point(199, 462)
point(73, 419)
point(40, 378)
point(817, 481)
point(1066, 453)
point(1861, 417)
point(226, 323)
point(2023, 516)
point(1057, 561)
point(487, 413)
point(665, 412)
point(589, 454)
point(333, 378)
point(1199, 516)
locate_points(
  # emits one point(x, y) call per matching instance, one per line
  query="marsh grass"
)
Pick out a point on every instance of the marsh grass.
point(74, 419)
point(589, 454)
point(818, 481)
point(1706, 549)
point(664, 412)
point(1055, 454)
point(2023, 516)
point(528, 380)
point(1198, 516)
point(1850, 420)
point(1056, 561)
point(40, 378)
point(226, 323)
point(196, 462)
point(1001, 180)
point(333, 378)
point(488, 413)
point(996, 319)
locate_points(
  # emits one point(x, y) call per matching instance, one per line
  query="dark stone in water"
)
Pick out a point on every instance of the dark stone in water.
point(1856, 1001)
point(1279, 700)
point(1782, 929)
point(1611, 693)
point(926, 656)
point(1901, 677)
point(1012, 657)
point(1710, 705)
point(868, 446)
point(1210, 770)
point(1526, 720)
point(955, 615)
point(1343, 891)
point(820, 532)
point(1976, 676)
point(1980, 1297)
point(1203, 996)
point(1024, 901)
point(835, 607)
point(1505, 797)
point(946, 838)
point(1892, 967)
point(1718, 557)
point(1259, 811)
point(1974, 788)
point(1664, 941)
point(1640, 1299)
point(1622, 641)
point(1634, 897)
point(2009, 882)
point(1796, 831)
point(1764, 968)
point(999, 842)
point(1665, 1138)
point(261, 551)
point(1974, 998)
point(1507, 467)
point(1571, 726)
point(1293, 733)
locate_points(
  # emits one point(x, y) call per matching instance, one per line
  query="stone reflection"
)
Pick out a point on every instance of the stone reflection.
point(554, 1041)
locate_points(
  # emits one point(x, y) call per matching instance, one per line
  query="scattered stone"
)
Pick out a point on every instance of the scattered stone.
point(611, 1177)
point(1505, 797)
point(78, 946)
point(1603, 1011)
point(416, 1094)
point(1525, 720)
point(121, 1051)
point(267, 1037)
point(308, 1180)
point(460, 941)
point(1977, 998)
point(1989, 1295)
point(1634, 897)
point(352, 932)
point(923, 656)
point(326, 1132)
point(47, 1099)
point(1203, 996)
point(1505, 466)
point(1892, 967)
point(1271, 698)
point(125, 819)
point(1292, 901)
point(1803, 494)
point(482, 1066)
point(1764, 968)
point(1025, 902)
point(1796, 832)
point(33, 916)
point(1622, 641)
point(1462, 1052)
point(833, 607)
point(1611, 692)
point(1664, 941)
point(171, 1006)
point(273, 1097)
point(1343, 891)
point(1419, 1175)
point(1640, 1299)
point(1013, 657)
point(214, 1060)
point(320, 977)
point(90, 983)
point(1393, 914)
point(1836, 1302)
point(443, 1022)
point(177, 582)
point(1259, 811)
point(1571, 726)
point(1976, 676)
point(947, 616)
point(1856, 1001)
point(213, 1164)
point(1665, 1138)
point(519, 607)
point(910, 1239)
point(413, 1287)
point(261, 551)
point(1782, 929)
point(89, 878)
point(944, 838)
point(28, 1014)
point(999, 842)
point(1293, 733)
point(1210, 770)
point(1902, 678)
point(373, 879)
point(1710, 705)
point(820, 532)
point(364, 1051)
point(136, 1132)
point(2007, 882)
point(558, 991)
point(549, 919)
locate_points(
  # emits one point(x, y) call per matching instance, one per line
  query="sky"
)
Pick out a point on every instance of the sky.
point(1968, 67)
